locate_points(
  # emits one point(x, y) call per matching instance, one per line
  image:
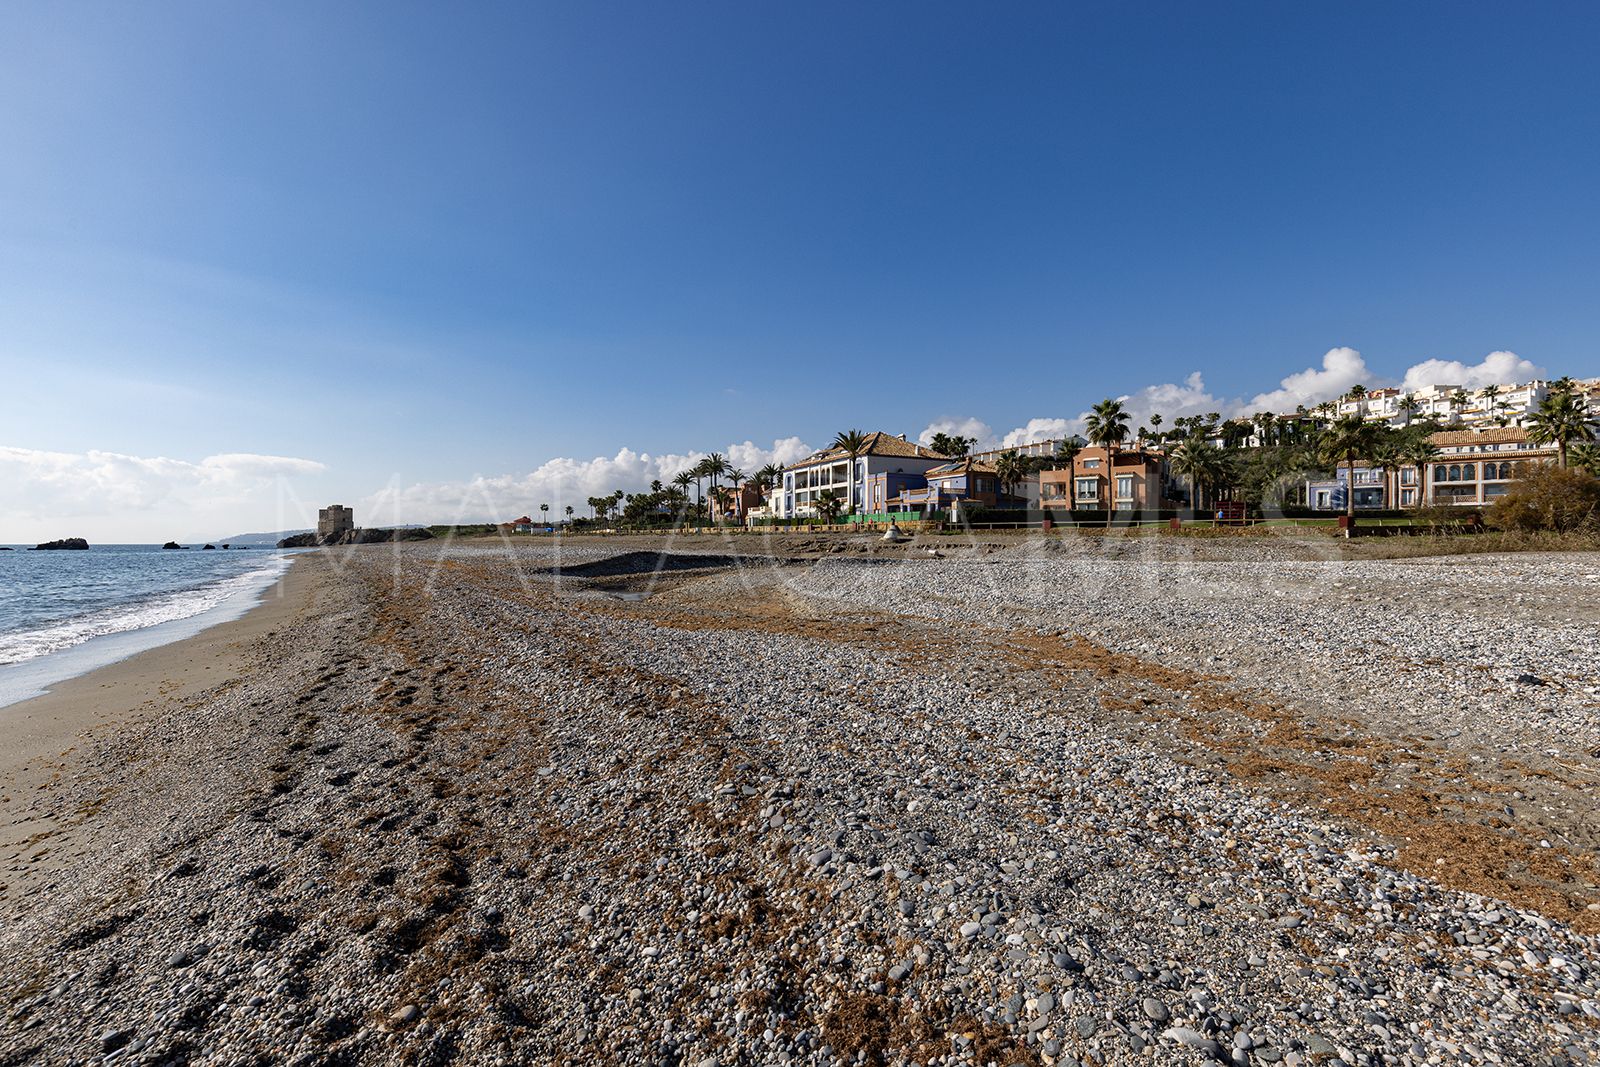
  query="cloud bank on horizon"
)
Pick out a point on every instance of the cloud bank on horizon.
point(1340, 369)
point(69, 491)
point(559, 482)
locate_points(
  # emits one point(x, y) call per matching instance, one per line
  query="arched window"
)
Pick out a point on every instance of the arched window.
point(1468, 472)
point(1455, 473)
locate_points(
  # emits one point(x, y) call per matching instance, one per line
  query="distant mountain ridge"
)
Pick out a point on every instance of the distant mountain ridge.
point(253, 539)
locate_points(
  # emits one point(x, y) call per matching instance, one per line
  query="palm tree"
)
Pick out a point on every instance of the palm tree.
point(1108, 427)
point(1193, 459)
point(716, 467)
point(853, 442)
point(1562, 420)
point(1066, 452)
point(1009, 469)
point(828, 505)
point(1386, 457)
point(544, 514)
point(1357, 391)
point(768, 476)
point(1585, 457)
point(1347, 440)
point(1066, 455)
point(1265, 421)
point(1409, 405)
point(1420, 453)
point(1155, 425)
point(1459, 400)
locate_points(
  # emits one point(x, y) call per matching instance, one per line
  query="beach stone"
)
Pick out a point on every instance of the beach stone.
point(407, 1014)
point(1156, 1011)
point(112, 1040)
point(1183, 1035)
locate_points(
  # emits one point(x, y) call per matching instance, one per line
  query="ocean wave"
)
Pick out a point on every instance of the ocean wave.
point(23, 645)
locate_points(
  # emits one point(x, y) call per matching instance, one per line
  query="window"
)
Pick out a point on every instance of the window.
point(1408, 476)
point(1469, 472)
point(1124, 487)
point(1088, 488)
point(1091, 464)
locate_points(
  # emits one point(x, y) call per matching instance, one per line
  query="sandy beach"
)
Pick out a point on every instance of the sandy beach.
point(1056, 801)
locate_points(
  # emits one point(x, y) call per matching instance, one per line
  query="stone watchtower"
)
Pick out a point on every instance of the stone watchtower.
point(334, 520)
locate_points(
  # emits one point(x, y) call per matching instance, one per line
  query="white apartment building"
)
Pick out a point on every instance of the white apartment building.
point(1452, 405)
point(830, 471)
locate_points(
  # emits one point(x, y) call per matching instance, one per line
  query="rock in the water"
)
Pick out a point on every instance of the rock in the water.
point(171, 545)
point(76, 543)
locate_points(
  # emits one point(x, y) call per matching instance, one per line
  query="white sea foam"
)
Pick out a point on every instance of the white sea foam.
point(25, 645)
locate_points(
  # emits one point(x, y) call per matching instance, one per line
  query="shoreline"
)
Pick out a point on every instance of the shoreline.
point(38, 675)
point(43, 734)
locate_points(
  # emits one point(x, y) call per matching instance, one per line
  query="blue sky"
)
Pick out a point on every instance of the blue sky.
point(419, 244)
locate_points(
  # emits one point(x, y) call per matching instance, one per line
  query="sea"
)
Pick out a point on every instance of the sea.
point(66, 612)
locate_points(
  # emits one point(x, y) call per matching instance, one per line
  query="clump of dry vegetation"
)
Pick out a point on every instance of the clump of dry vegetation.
point(1550, 498)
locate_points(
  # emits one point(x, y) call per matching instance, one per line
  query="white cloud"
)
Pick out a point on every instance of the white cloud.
point(559, 482)
point(1341, 368)
point(136, 497)
point(1039, 430)
point(967, 427)
point(1170, 399)
point(750, 457)
point(1497, 368)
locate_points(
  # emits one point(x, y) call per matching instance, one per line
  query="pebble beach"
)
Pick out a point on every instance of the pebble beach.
point(1076, 800)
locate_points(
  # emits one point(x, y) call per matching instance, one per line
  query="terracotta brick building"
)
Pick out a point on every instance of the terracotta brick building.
point(1138, 479)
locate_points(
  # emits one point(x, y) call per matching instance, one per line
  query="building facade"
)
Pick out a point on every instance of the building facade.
point(951, 488)
point(1134, 480)
point(1474, 468)
point(831, 471)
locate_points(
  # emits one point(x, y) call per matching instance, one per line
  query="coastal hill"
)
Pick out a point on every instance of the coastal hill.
point(358, 536)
